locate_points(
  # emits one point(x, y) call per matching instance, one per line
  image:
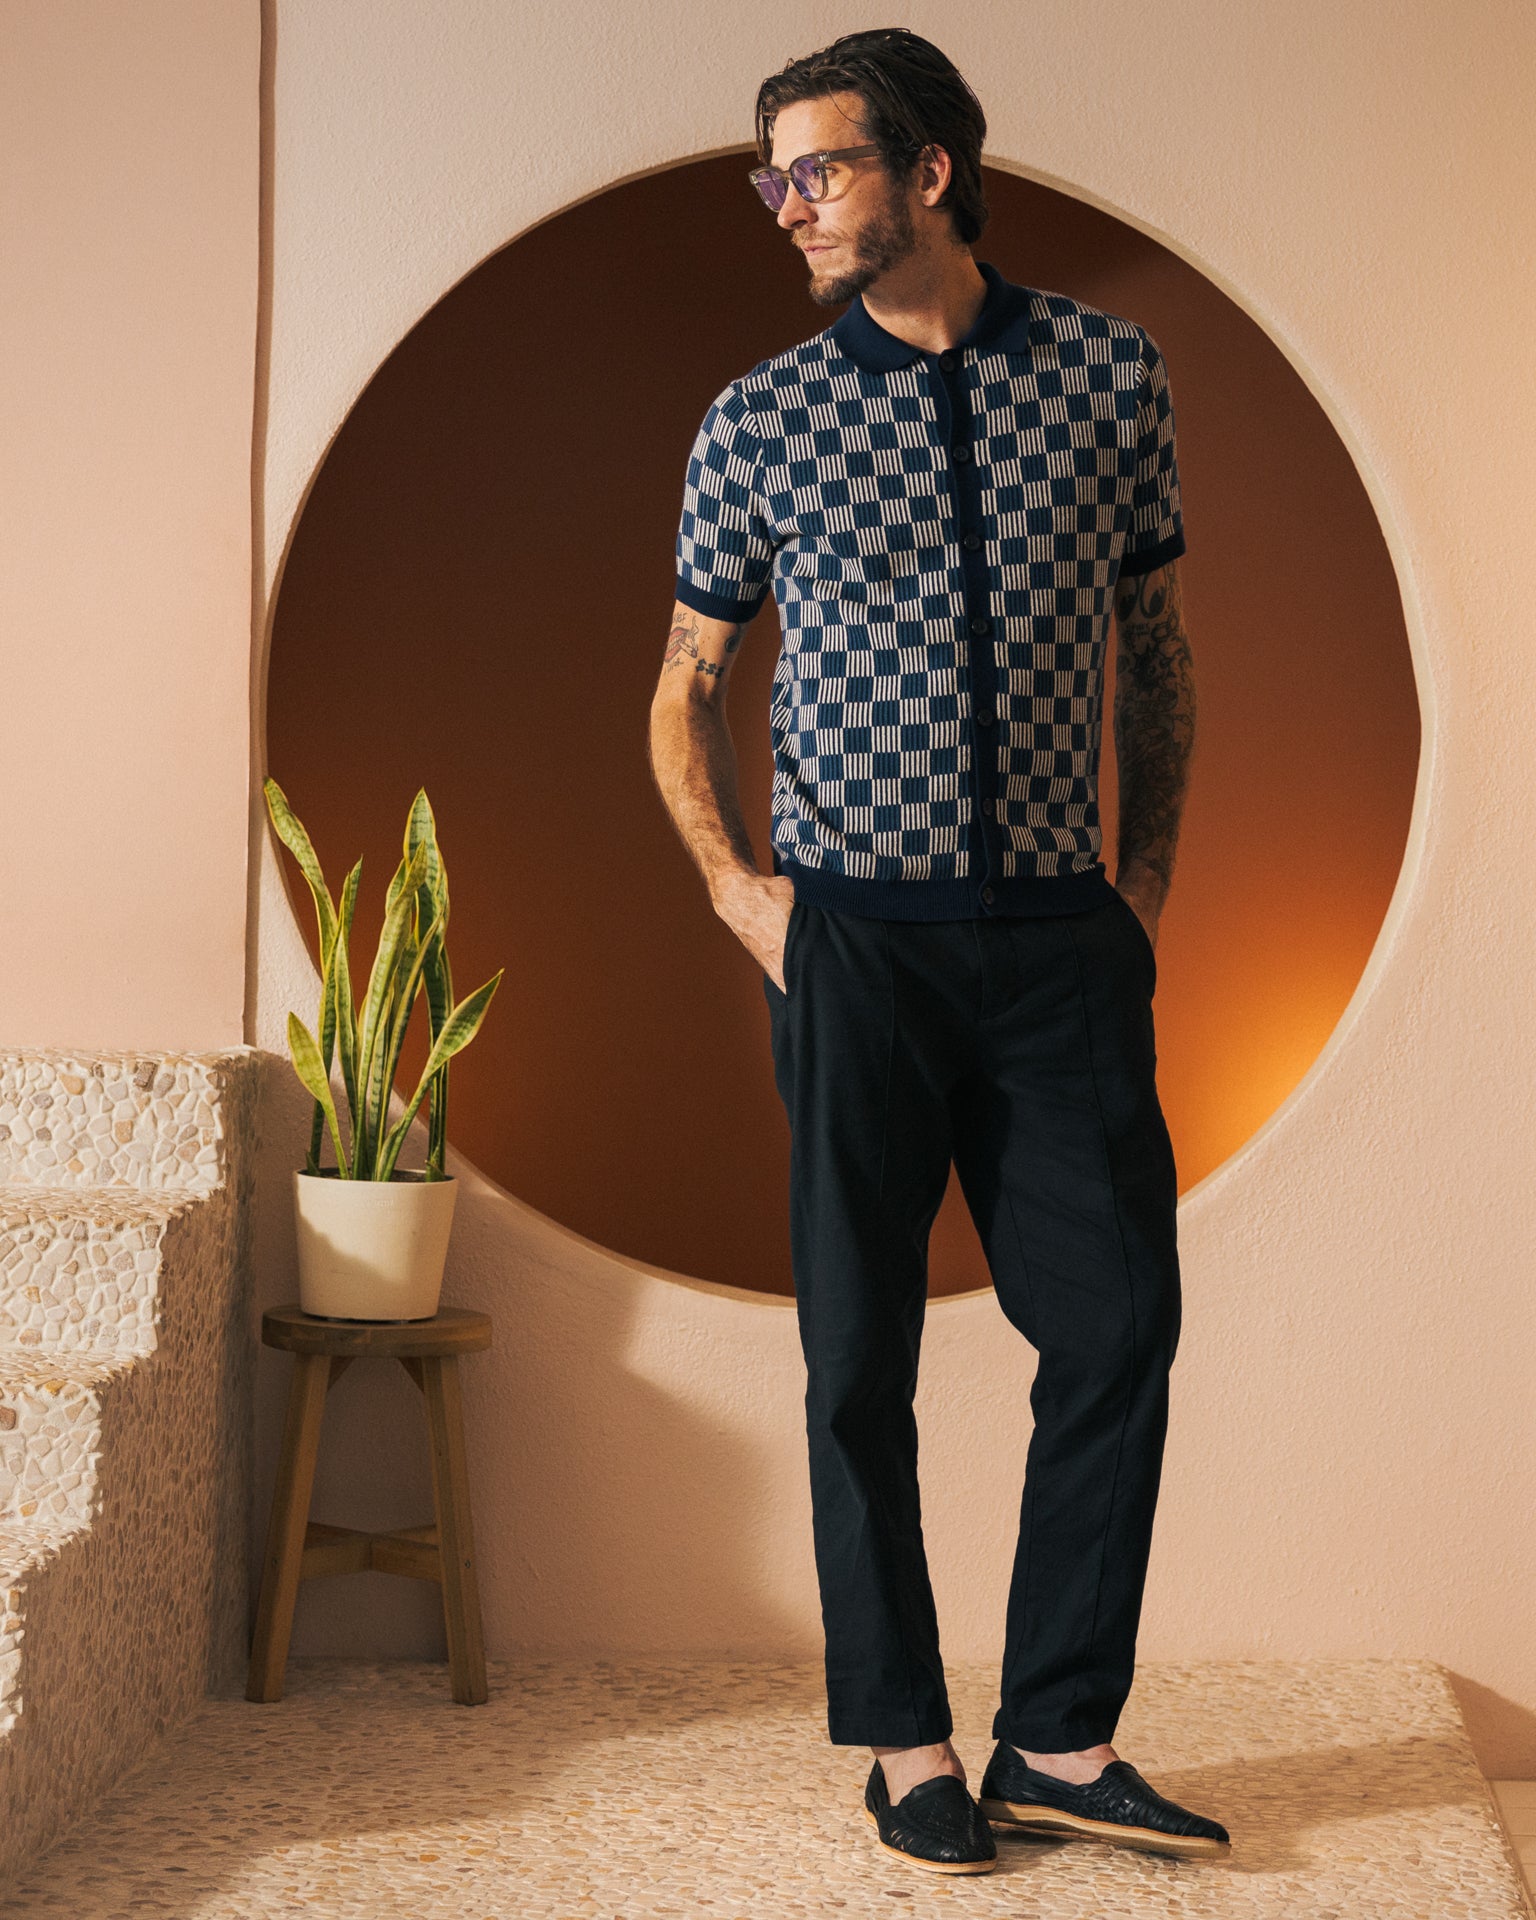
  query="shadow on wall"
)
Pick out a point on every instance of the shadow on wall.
point(574, 1410)
point(477, 599)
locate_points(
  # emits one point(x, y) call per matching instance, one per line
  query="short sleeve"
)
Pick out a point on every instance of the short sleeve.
point(1156, 533)
point(724, 544)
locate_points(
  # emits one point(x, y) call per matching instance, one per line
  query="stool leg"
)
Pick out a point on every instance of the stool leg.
point(287, 1525)
point(455, 1533)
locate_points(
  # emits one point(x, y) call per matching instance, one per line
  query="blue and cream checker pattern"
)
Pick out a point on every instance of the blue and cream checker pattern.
point(942, 533)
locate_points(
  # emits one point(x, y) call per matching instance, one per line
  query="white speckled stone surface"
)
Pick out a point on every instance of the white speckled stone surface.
point(50, 1435)
point(126, 1360)
point(625, 1790)
point(80, 1269)
point(116, 1119)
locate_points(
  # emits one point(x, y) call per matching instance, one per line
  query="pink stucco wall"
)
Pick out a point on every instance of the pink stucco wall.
point(129, 237)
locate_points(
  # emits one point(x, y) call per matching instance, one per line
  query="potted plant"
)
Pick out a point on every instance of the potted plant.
point(373, 1236)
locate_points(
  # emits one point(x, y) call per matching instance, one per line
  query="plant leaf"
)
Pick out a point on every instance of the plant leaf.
point(327, 1027)
point(376, 1013)
point(405, 1002)
point(421, 830)
point(458, 1030)
point(290, 830)
point(437, 1144)
point(346, 1013)
point(308, 1065)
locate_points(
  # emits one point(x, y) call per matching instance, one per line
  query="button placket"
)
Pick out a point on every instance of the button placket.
point(984, 836)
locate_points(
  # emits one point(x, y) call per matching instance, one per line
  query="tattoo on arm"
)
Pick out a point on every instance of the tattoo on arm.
point(683, 645)
point(1154, 718)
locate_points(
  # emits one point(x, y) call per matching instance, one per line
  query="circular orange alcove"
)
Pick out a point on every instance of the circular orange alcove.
point(476, 601)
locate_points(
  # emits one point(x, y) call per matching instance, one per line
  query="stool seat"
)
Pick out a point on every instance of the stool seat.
point(299, 1548)
point(450, 1330)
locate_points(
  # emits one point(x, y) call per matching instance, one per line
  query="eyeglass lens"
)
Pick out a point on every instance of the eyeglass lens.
point(805, 172)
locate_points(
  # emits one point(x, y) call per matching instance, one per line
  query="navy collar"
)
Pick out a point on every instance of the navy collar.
point(1002, 323)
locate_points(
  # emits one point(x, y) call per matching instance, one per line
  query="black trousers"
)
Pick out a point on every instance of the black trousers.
point(1022, 1049)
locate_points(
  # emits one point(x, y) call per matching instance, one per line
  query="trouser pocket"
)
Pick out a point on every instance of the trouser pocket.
point(796, 917)
point(1144, 940)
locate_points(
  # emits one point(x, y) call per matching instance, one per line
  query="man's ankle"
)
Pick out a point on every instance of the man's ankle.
point(1077, 1767)
point(905, 1767)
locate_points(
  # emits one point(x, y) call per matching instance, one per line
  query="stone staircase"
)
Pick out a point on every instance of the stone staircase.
point(126, 1367)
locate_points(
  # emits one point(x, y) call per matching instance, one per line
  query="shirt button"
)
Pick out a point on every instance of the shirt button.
point(989, 805)
point(947, 362)
point(988, 895)
point(961, 452)
point(971, 542)
point(980, 623)
point(987, 716)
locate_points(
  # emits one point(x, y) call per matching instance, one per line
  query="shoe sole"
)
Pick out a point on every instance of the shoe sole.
point(933, 1866)
point(1027, 1818)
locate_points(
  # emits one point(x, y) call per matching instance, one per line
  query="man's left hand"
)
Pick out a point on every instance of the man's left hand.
point(1145, 901)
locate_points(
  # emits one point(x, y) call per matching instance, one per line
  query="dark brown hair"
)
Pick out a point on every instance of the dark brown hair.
point(914, 96)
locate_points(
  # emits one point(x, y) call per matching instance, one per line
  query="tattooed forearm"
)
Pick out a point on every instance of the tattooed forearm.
point(693, 760)
point(1154, 719)
point(693, 757)
point(683, 646)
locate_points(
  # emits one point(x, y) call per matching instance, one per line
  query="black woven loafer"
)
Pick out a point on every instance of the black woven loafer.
point(936, 1824)
point(1118, 1806)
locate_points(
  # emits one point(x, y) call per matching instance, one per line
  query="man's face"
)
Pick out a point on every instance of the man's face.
point(864, 225)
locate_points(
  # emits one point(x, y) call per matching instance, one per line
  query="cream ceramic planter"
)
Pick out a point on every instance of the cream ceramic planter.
point(372, 1249)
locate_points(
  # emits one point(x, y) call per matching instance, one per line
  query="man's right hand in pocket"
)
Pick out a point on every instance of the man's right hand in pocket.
point(756, 908)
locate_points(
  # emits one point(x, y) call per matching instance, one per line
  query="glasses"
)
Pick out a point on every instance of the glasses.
point(809, 174)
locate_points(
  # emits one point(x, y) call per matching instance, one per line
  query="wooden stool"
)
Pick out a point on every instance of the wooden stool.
point(299, 1548)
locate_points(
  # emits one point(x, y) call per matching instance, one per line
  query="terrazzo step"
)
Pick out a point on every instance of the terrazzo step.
point(126, 1182)
point(79, 1266)
point(119, 1119)
point(76, 1430)
point(82, 1298)
point(53, 1410)
point(26, 1548)
point(81, 1434)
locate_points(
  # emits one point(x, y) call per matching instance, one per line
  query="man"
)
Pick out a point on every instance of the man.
point(947, 490)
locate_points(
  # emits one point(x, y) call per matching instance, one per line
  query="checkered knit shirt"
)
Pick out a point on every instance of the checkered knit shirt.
point(942, 533)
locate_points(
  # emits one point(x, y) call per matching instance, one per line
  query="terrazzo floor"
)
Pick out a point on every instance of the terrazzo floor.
point(629, 1789)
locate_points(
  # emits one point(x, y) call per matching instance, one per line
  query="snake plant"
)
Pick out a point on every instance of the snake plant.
point(412, 954)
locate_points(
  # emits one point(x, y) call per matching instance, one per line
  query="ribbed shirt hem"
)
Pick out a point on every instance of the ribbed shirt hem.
point(1025, 894)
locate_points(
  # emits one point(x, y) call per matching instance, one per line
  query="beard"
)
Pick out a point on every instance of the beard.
point(883, 242)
